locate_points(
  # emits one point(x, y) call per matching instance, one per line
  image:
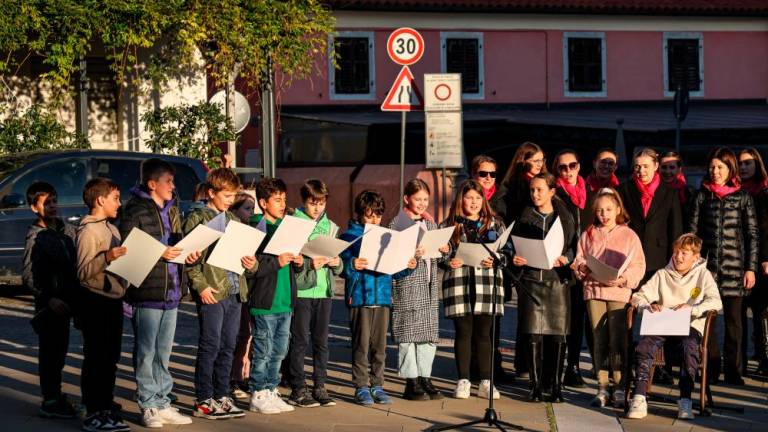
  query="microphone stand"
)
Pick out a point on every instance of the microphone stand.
point(491, 417)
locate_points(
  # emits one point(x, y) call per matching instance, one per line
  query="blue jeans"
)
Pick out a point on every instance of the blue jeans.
point(153, 331)
point(219, 324)
point(271, 334)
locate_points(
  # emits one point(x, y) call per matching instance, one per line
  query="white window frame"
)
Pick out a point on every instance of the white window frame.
point(480, 95)
point(566, 71)
point(371, 95)
point(665, 61)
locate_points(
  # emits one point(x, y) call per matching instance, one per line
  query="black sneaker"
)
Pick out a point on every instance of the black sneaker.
point(104, 421)
point(301, 397)
point(58, 408)
point(321, 395)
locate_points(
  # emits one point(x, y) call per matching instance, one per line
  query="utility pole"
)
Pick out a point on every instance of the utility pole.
point(81, 113)
point(268, 120)
point(229, 107)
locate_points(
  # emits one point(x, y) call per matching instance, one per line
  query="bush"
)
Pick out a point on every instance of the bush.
point(37, 129)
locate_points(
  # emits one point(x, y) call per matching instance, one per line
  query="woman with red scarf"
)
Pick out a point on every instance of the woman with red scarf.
point(604, 168)
point(671, 172)
point(724, 216)
point(754, 180)
point(578, 197)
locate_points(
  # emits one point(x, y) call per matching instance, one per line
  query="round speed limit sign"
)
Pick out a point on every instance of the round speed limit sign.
point(405, 46)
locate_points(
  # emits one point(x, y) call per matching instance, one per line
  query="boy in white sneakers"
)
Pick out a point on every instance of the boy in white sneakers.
point(684, 283)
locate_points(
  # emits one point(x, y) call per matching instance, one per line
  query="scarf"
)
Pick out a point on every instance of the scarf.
point(595, 183)
point(528, 177)
point(647, 191)
point(489, 192)
point(577, 192)
point(412, 215)
point(721, 191)
point(679, 184)
point(753, 187)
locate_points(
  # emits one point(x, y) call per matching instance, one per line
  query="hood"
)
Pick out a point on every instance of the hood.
point(34, 230)
point(692, 275)
point(91, 219)
point(355, 228)
point(140, 192)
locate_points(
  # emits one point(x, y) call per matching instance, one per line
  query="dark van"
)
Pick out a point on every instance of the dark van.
point(68, 171)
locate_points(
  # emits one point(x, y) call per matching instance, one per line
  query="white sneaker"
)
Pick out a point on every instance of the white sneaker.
point(638, 407)
point(685, 409)
point(463, 388)
point(484, 389)
point(261, 402)
point(172, 416)
point(618, 399)
point(150, 418)
point(279, 403)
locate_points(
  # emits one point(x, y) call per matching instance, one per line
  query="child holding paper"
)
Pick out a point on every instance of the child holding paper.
point(368, 295)
point(545, 302)
point(468, 291)
point(101, 305)
point(610, 240)
point(273, 296)
point(153, 209)
point(416, 303)
point(685, 283)
point(218, 294)
point(312, 314)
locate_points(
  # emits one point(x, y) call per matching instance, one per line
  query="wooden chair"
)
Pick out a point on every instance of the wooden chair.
point(705, 393)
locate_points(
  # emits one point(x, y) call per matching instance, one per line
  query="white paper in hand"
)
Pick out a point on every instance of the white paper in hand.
point(142, 253)
point(200, 238)
point(604, 273)
point(324, 246)
point(388, 251)
point(541, 254)
point(433, 240)
point(239, 240)
point(291, 235)
point(473, 254)
point(666, 322)
point(219, 223)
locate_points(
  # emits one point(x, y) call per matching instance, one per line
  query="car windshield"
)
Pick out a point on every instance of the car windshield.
point(12, 162)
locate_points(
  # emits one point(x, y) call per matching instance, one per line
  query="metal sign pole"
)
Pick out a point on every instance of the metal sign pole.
point(402, 159)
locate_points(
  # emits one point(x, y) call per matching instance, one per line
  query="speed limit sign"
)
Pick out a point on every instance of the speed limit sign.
point(405, 46)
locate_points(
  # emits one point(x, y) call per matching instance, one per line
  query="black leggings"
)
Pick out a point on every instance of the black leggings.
point(477, 329)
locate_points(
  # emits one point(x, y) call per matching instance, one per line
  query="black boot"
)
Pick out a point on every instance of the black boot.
point(414, 391)
point(556, 392)
point(573, 377)
point(430, 389)
point(762, 369)
point(535, 360)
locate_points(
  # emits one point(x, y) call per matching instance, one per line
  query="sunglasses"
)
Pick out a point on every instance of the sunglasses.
point(565, 167)
point(491, 174)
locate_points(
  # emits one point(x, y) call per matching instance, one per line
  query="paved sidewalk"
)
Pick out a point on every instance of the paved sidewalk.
point(19, 390)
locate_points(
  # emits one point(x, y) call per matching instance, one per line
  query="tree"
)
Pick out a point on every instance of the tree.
point(37, 129)
point(189, 130)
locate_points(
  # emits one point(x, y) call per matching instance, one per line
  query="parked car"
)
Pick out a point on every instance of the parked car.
point(68, 171)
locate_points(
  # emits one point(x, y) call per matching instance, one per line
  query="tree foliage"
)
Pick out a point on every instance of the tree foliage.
point(189, 130)
point(37, 129)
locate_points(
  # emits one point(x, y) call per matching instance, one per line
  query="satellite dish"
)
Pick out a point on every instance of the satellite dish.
point(242, 113)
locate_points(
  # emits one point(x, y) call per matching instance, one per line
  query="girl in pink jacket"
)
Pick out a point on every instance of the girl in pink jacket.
point(610, 241)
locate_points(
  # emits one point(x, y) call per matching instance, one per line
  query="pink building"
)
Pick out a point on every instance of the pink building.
point(557, 72)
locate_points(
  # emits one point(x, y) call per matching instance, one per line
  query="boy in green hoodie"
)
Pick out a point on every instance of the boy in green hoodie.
point(312, 314)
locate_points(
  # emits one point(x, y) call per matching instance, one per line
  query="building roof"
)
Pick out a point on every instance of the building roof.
point(623, 7)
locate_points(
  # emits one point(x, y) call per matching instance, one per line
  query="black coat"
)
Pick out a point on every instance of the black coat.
point(761, 210)
point(582, 218)
point(660, 228)
point(498, 202)
point(516, 197)
point(728, 227)
point(143, 213)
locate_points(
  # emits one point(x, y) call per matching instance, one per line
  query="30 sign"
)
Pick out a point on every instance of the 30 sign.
point(405, 46)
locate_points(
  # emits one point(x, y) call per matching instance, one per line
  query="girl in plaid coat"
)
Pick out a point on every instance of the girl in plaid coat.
point(468, 291)
point(416, 303)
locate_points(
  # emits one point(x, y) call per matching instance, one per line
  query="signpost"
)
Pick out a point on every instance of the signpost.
point(405, 47)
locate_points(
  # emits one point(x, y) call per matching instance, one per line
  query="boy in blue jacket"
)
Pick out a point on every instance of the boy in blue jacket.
point(368, 294)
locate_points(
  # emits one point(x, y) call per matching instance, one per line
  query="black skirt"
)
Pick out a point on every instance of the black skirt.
point(552, 315)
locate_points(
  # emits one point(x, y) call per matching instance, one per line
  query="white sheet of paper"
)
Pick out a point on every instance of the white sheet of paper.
point(200, 238)
point(502, 240)
point(143, 252)
point(666, 322)
point(290, 236)
point(472, 254)
point(541, 254)
point(219, 223)
point(239, 240)
point(386, 250)
point(324, 246)
point(604, 273)
point(433, 240)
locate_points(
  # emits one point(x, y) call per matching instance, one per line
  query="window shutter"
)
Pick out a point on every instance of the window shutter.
point(352, 75)
point(585, 64)
point(463, 56)
point(683, 64)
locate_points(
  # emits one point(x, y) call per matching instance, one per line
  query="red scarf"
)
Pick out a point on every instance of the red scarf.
point(753, 187)
point(577, 192)
point(679, 184)
point(595, 183)
point(647, 191)
point(528, 177)
point(412, 215)
point(721, 191)
point(489, 192)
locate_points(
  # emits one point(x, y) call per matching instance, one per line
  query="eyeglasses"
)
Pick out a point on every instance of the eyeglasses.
point(568, 167)
point(537, 161)
point(491, 174)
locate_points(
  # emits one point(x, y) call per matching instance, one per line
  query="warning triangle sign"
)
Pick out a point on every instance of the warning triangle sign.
point(404, 94)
